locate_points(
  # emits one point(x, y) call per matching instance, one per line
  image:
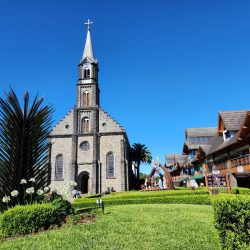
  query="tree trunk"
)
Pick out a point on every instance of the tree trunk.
point(138, 170)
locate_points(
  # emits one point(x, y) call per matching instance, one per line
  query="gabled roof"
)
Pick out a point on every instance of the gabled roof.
point(218, 143)
point(245, 129)
point(111, 125)
point(195, 132)
point(232, 120)
point(175, 158)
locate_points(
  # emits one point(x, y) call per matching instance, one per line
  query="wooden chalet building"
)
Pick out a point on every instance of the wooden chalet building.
point(188, 165)
point(175, 164)
point(230, 147)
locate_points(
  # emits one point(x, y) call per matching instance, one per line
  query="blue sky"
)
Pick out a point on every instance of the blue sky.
point(164, 65)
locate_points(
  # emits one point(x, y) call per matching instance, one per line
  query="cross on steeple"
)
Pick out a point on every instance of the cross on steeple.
point(88, 23)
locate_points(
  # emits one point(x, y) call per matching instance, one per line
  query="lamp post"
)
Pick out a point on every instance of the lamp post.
point(228, 176)
point(101, 204)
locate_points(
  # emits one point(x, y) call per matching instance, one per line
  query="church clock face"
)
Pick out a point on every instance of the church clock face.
point(84, 146)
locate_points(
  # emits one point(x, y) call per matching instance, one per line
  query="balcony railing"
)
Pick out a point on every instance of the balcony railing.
point(239, 161)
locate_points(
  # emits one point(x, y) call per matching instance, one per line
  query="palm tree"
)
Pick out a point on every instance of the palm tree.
point(140, 154)
point(24, 145)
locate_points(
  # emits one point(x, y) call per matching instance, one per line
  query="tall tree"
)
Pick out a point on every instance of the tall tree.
point(140, 154)
point(24, 144)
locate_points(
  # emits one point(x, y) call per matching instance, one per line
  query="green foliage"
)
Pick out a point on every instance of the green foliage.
point(93, 196)
point(143, 176)
point(149, 197)
point(140, 153)
point(49, 197)
point(147, 194)
point(63, 208)
point(232, 219)
point(27, 219)
point(240, 190)
point(156, 226)
point(24, 145)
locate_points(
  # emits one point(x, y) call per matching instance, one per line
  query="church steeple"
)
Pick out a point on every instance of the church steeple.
point(88, 67)
point(87, 86)
point(88, 52)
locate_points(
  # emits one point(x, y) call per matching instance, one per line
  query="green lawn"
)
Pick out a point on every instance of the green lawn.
point(147, 226)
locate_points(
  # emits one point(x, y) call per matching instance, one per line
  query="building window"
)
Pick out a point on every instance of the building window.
point(85, 146)
point(85, 125)
point(85, 99)
point(110, 165)
point(227, 134)
point(59, 167)
point(86, 73)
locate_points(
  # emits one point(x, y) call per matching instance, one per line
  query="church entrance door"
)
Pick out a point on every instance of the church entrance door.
point(83, 182)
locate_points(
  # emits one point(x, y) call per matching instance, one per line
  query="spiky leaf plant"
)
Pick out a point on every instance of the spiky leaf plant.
point(24, 145)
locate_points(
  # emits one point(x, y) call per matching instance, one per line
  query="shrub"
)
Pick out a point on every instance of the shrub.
point(240, 190)
point(63, 208)
point(232, 219)
point(93, 196)
point(27, 219)
point(144, 194)
point(203, 199)
point(49, 197)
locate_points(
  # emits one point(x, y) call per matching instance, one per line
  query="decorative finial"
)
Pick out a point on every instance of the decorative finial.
point(88, 23)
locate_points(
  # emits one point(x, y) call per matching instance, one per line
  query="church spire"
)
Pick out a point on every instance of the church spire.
point(88, 52)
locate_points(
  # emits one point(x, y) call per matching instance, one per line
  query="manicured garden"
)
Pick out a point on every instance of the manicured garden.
point(180, 196)
point(169, 219)
point(150, 226)
point(36, 216)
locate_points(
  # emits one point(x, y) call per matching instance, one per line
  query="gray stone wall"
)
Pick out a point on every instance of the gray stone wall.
point(64, 126)
point(61, 146)
point(85, 156)
point(107, 123)
point(112, 144)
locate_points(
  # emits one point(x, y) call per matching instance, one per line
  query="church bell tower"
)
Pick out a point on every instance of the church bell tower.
point(87, 88)
point(87, 114)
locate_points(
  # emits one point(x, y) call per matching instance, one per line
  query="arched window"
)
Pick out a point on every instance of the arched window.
point(86, 99)
point(86, 73)
point(59, 167)
point(110, 165)
point(85, 125)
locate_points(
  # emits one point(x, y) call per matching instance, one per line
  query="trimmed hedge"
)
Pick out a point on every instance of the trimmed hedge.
point(27, 219)
point(143, 194)
point(203, 199)
point(232, 219)
point(240, 190)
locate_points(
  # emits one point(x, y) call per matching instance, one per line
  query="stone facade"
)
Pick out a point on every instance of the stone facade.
point(88, 146)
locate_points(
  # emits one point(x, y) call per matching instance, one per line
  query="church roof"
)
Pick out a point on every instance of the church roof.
point(110, 124)
point(88, 51)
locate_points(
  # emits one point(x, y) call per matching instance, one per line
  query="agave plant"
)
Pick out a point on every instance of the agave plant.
point(24, 144)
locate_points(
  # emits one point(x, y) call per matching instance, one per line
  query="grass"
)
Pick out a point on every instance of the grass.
point(150, 226)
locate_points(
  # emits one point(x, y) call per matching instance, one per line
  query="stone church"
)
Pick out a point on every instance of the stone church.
point(87, 145)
